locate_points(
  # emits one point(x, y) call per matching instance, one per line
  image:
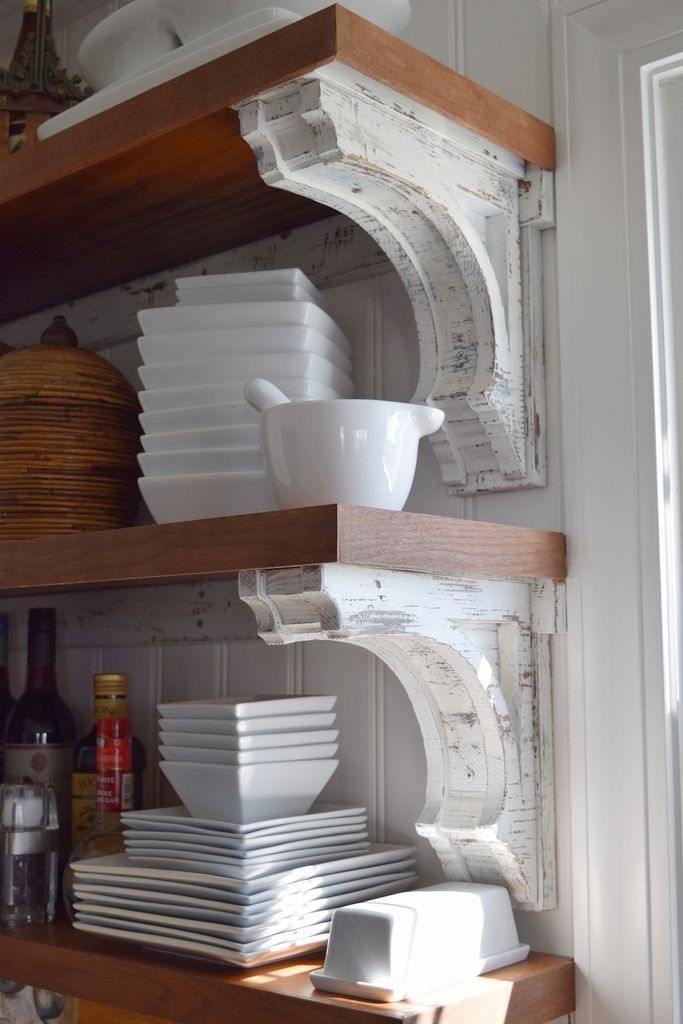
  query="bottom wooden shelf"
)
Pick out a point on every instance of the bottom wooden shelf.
point(181, 990)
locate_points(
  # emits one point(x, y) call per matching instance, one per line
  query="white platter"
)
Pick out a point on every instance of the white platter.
point(243, 870)
point(320, 815)
point(136, 845)
point(177, 499)
point(191, 372)
point(222, 912)
point(252, 906)
point(165, 399)
point(201, 460)
point(244, 436)
point(257, 741)
point(314, 751)
point(311, 875)
point(249, 843)
point(247, 707)
point(243, 341)
point(218, 316)
point(271, 724)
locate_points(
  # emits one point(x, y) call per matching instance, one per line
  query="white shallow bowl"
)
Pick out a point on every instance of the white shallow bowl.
point(397, 947)
point(248, 293)
point(261, 741)
point(234, 414)
point(248, 793)
point(176, 499)
point(219, 316)
point(238, 436)
point(168, 348)
point(207, 755)
point(264, 706)
point(355, 452)
point(210, 394)
point(282, 277)
point(202, 460)
point(268, 725)
point(226, 369)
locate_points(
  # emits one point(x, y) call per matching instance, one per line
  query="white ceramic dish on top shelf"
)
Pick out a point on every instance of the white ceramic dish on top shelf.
point(236, 341)
point(248, 293)
point(213, 756)
point(201, 460)
point(249, 726)
point(259, 741)
point(248, 707)
point(225, 369)
point(178, 499)
point(238, 436)
point(211, 394)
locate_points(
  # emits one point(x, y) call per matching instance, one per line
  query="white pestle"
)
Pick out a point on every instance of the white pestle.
point(262, 395)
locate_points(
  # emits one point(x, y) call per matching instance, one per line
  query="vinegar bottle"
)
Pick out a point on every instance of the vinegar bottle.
point(40, 733)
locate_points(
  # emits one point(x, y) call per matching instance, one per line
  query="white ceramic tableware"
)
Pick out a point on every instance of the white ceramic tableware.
point(248, 707)
point(175, 499)
point(278, 850)
point(280, 277)
point(248, 792)
point(397, 947)
point(243, 871)
point(247, 293)
point(207, 755)
point(266, 725)
point(226, 369)
point(159, 399)
point(219, 316)
point(244, 341)
point(260, 741)
point(319, 814)
point(246, 436)
point(248, 845)
point(226, 415)
point(201, 460)
point(355, 451)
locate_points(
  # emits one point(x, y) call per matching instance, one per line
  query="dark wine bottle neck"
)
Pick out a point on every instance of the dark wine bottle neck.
point(40, 662)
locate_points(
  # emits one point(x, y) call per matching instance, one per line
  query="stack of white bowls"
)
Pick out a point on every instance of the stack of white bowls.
point(247, 760)
point(202, 455)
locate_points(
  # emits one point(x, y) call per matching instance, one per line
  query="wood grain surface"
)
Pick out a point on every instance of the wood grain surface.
point(165, 177)
point(187, 991)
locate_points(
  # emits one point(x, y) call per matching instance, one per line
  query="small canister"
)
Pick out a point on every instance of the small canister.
point(28, 853)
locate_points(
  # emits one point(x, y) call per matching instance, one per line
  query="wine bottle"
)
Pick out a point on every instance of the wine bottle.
point(6, 698)
point(40, 733)
point(111, 702)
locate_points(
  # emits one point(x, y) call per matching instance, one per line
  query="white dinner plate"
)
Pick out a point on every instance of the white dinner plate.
point(320, 814)
point(261, 841)
point(120, 866)
point(248, 904)
point(233, 727)
point(222, 912)
point(219, 316)
point(242, 341)
point(176, 945)
point(313, 752)
point(247, 870)
point(135, 844)
point(246, 707)
point(259, 741)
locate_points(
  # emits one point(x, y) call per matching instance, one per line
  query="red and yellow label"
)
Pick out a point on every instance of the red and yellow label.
point(114, 765)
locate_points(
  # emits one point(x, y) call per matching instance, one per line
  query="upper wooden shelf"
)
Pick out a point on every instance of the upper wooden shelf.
point(165, 178)
point(210, 549)
point(58, 957)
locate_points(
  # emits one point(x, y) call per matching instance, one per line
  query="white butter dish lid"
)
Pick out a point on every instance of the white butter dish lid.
point(398, 946)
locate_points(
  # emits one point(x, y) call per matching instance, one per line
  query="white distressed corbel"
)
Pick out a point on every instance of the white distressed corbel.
point(473, 658)
point(459, 218)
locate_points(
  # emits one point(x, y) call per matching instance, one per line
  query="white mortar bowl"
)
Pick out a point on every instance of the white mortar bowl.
point(344, 451)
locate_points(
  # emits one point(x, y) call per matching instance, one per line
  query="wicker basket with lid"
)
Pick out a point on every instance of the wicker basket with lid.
point(69, 438)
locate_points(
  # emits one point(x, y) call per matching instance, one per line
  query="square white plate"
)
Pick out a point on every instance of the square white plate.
point(165, 399)
point(236, 726)
point(173, 348)
point(203, 754)
point(244, 707)
point(260, 841)
point(189, 373)
point(245, 870)
point(280, 850)
point(259, 741)
point(320, 815)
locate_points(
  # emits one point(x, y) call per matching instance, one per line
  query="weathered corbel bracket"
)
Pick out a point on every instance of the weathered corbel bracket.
point(459, 218)
point(473, 656)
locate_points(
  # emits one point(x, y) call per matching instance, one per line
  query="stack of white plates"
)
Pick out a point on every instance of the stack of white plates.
point(248, 760)
point(202, 456)
point(270, 911)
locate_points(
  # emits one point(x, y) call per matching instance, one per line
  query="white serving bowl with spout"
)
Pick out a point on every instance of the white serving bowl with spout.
point(340, 451)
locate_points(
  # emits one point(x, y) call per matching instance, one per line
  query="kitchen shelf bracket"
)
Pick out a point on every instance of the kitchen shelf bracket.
point(460, 219)
point(474, 658)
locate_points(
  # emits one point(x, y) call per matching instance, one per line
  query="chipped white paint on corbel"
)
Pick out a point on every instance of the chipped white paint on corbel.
point(459, 218)
point(473, 658)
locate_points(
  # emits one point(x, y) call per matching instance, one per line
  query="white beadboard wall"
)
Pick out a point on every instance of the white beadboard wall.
point(183, 641)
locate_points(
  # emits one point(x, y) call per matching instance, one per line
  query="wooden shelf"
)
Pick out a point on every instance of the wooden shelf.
point(210, 549)
point(165, 178)
point(58, 957)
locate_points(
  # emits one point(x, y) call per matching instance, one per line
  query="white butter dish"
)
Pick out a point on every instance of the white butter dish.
point(399, 946)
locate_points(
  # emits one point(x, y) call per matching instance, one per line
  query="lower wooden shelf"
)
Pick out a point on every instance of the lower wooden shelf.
point(177, 989)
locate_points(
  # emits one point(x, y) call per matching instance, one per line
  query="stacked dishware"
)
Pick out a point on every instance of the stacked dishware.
point(202, 455)
point(243, 890)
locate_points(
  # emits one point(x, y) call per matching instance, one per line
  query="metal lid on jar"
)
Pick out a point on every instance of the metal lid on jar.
point(110, 684)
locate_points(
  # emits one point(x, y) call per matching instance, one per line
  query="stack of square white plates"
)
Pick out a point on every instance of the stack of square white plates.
point(202, 455)
point(248, 760)
point(269, 895)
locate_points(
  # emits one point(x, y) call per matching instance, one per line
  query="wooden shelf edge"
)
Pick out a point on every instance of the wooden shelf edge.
point(211, 549)
point(181, 990)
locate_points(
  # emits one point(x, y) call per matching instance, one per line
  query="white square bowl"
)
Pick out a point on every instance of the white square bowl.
point(179, 345)
point(208, 755)
point(202, 460)
point(230, 368)
point(177, 499)
point(248, 793)
point(156, 399)
point(238, 436)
